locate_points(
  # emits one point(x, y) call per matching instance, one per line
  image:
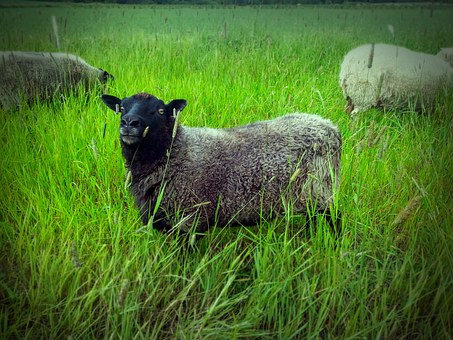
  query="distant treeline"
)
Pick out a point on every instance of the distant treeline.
point(248, 2)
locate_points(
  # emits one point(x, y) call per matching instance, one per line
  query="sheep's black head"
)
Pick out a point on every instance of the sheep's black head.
point(104, 76)
point(143, 116)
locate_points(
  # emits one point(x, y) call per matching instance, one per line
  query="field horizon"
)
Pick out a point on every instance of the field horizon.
point(76, 262)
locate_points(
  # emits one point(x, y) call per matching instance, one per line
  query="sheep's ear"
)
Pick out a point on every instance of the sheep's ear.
point(175, 106)
point(112, 102)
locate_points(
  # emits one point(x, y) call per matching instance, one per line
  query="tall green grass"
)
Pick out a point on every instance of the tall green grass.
point(75, 260)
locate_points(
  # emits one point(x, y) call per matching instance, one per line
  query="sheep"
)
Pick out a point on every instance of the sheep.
point(41, 75)
point(446, 53)
point(197, 177)
point(392, 77)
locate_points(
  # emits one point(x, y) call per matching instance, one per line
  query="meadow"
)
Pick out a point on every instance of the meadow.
point(76, 261)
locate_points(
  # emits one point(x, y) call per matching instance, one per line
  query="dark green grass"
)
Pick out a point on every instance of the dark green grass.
point(75, 260)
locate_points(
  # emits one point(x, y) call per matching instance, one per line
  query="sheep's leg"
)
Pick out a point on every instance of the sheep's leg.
point(334, 223)
point(349, 107)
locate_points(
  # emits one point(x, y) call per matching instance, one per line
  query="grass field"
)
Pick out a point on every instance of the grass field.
point(75, 260)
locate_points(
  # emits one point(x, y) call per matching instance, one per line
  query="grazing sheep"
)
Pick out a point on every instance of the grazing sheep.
point(182, 176)
point(392, 77)
point(40, 75)
point(446, 53)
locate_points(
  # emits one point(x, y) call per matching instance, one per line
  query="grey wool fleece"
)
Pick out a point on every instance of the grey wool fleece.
point(233, 175)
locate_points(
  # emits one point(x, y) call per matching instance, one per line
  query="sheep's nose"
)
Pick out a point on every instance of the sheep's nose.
point(130, 121)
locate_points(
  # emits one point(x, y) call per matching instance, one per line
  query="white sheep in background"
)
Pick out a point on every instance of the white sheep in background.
point(42, 75)
point(392, 77)
point(210, 177)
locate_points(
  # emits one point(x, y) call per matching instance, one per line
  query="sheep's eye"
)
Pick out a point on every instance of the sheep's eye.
point(122, 109)
point(161, 111)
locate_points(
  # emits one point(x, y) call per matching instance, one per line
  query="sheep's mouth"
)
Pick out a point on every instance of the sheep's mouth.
point(131, 135)
point(130, 138)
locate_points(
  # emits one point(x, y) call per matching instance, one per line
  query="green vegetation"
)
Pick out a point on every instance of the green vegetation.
point(75, 260)
point(241, 2)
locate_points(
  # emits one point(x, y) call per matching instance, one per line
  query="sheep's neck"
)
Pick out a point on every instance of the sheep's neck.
point(151, 153)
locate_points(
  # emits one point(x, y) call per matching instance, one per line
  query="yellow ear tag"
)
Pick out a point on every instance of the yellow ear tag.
point(117, 108)
point(145, 132)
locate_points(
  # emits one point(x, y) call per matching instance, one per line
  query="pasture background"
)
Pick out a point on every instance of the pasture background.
point(75, 262)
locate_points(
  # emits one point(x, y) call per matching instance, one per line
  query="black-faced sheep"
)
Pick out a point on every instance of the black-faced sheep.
point(41, 75)
point(183, 176)
point(392, 77)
